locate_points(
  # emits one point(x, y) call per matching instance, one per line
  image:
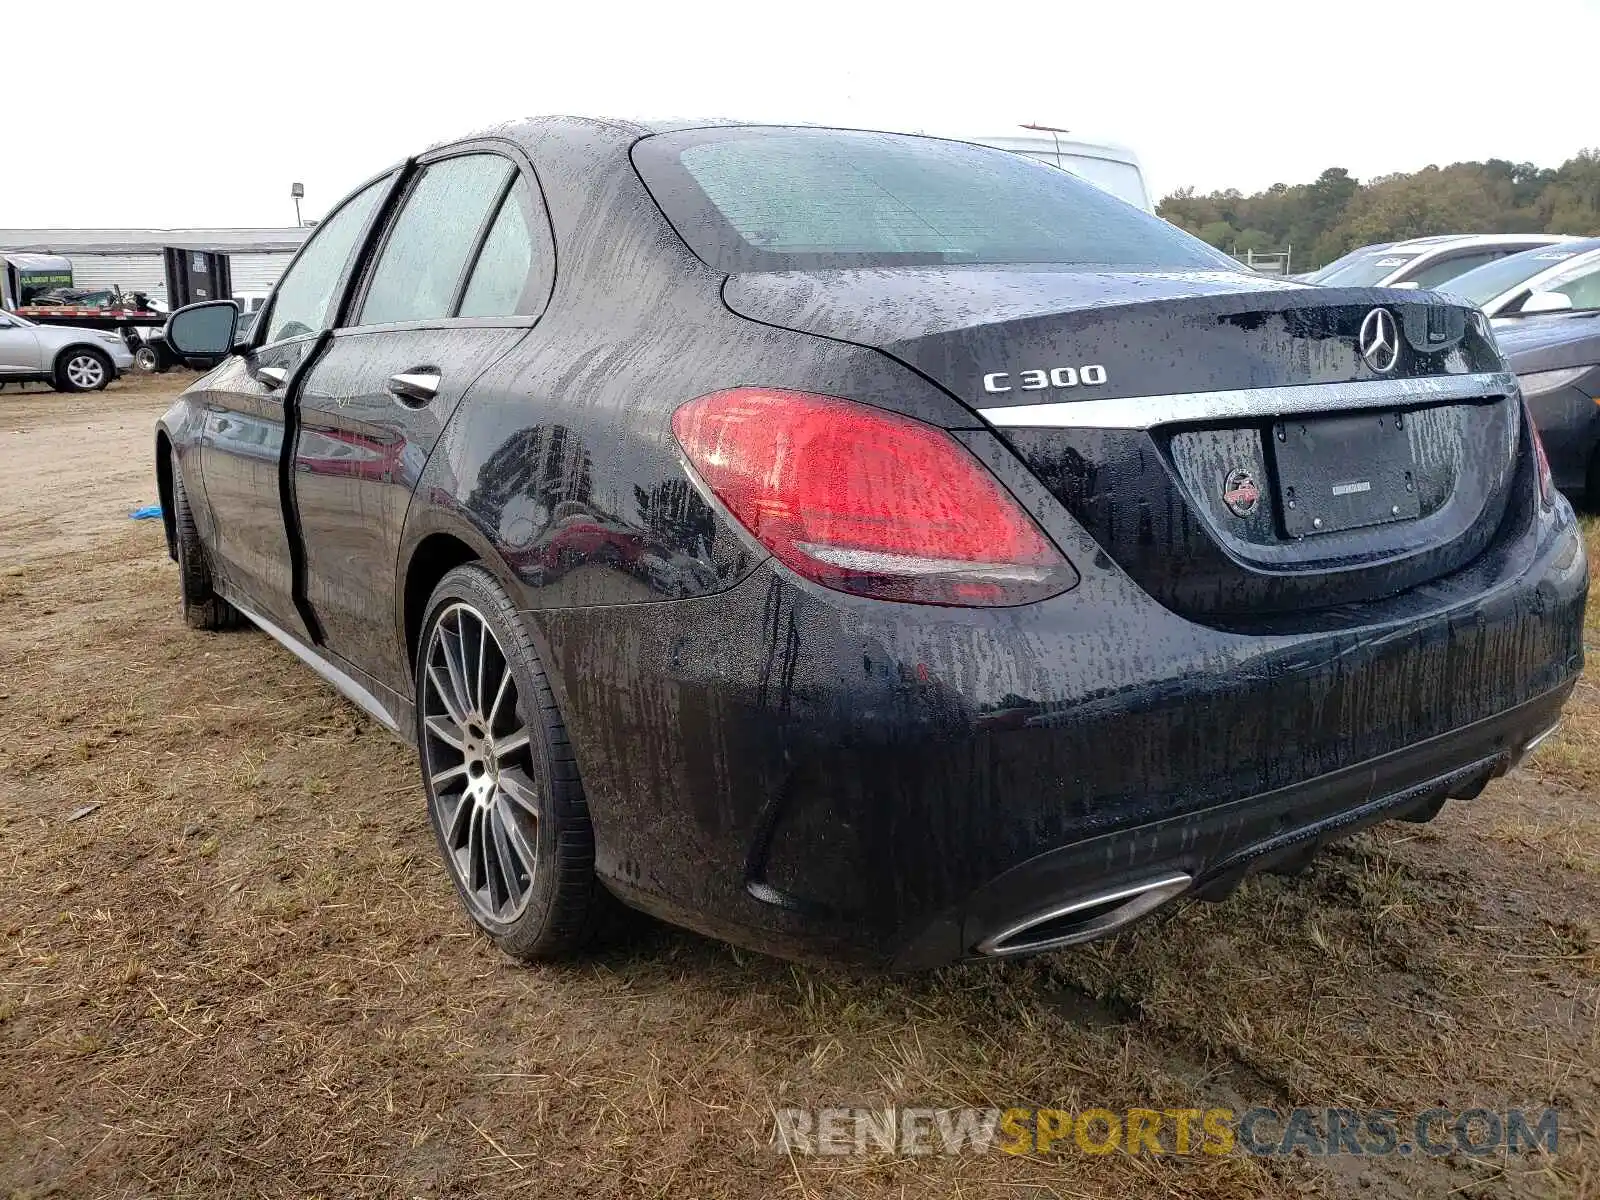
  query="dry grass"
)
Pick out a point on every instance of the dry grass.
point(244, 974)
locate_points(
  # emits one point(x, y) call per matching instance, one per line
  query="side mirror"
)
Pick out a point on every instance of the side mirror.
point(1543, 302)
point(203, 331)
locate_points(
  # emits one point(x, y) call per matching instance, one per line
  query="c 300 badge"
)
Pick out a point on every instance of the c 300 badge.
point(1240, 493)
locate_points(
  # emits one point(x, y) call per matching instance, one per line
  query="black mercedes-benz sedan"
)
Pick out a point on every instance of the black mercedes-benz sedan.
point(862, 546)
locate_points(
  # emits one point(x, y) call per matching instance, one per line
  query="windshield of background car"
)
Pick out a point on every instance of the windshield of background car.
point(1482, 284)
point(778, 199)
point(1361, 270)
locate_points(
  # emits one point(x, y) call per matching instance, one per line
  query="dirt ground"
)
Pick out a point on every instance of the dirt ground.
point(243, 972)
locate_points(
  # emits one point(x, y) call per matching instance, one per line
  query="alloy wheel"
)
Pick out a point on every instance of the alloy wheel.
point(85, 371)
point(477, 756)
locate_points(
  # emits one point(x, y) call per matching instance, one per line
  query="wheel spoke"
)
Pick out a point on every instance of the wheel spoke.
point(504, 856)
point(483, 642)
point(474, 848)
point(453, 667)
point(446, 695)
point(482, 819)
point(453, 827)
point(513, 829)
point(507, 746)
point(450, 734)
point(520, 791)
point(500, 694)
point(448, 773)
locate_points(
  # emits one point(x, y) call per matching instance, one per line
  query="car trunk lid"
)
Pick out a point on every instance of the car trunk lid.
point(1222, 436)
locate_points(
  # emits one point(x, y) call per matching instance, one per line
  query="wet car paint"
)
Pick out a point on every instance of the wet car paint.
point(821, 775)
point(1568, 417)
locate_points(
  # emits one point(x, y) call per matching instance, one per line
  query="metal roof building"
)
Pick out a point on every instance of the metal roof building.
point(131, 258)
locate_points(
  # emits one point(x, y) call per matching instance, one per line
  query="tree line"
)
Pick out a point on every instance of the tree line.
point(1337, 213)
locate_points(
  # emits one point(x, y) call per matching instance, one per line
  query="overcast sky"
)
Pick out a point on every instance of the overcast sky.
point(1236, 94)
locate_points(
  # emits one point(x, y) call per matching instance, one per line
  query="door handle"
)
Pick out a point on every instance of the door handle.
point(273, 377)
point(414, 387)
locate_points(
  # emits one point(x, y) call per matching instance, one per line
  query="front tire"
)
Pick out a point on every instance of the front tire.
point(146, 361)
point(504, 796)
point(202, 607)
point(83, 369)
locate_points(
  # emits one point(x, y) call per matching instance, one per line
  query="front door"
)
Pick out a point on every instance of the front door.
point(445, 300)
point(19, 348)
point(245, 399)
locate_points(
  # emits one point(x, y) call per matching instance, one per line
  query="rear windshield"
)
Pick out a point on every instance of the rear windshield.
point(776, 199)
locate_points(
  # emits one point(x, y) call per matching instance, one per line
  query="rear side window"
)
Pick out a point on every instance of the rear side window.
point(1441, 269)
point(764, 199)
point(503, 274)
point(306, 293)
point(420, 268)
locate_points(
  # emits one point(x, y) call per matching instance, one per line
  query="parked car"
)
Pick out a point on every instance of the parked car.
point(1425, 262)
point(68, 359)
point(1557, 274)
point(1557, 362)
point(866, 546)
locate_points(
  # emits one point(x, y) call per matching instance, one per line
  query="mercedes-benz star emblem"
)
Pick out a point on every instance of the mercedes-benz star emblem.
point(1240, 493)
point(1380, 341)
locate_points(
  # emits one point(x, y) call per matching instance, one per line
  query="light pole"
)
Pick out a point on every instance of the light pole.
point(297, 192)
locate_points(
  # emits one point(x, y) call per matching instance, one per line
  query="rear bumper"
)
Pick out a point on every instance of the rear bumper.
point(818, 776)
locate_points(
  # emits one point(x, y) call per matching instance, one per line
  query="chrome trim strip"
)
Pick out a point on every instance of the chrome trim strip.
point(346, 686)
point(1143, 412)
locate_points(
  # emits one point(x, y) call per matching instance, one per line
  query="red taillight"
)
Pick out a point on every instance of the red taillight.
point(1547, 487)
point(864, 501)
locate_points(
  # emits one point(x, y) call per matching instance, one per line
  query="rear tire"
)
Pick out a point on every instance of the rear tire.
point(504, 797)
point(83, 369)
point(202, 607)
point(146, 361)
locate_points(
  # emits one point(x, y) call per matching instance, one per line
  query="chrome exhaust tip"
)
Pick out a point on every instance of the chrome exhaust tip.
point(1086, 918)
point(1516, 757)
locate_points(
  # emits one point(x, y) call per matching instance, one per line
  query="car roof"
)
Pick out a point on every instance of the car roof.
point(1476, 239)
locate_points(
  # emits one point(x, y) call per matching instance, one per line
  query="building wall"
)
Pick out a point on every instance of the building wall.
point(256, 274)
point(253, 273)
point(130, 272)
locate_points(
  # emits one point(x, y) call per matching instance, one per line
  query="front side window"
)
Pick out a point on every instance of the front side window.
point(1581, 285)
point(421, 265)
point(502, 277)
point(306, 293)
point(775, 199)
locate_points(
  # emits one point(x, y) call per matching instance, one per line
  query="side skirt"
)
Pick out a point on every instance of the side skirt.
point(395, 719)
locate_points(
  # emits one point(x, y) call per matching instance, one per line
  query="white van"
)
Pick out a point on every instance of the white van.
point(1106, 164)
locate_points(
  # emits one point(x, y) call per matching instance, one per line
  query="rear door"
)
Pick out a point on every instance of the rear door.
point(244, 401)
point(456, 282)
